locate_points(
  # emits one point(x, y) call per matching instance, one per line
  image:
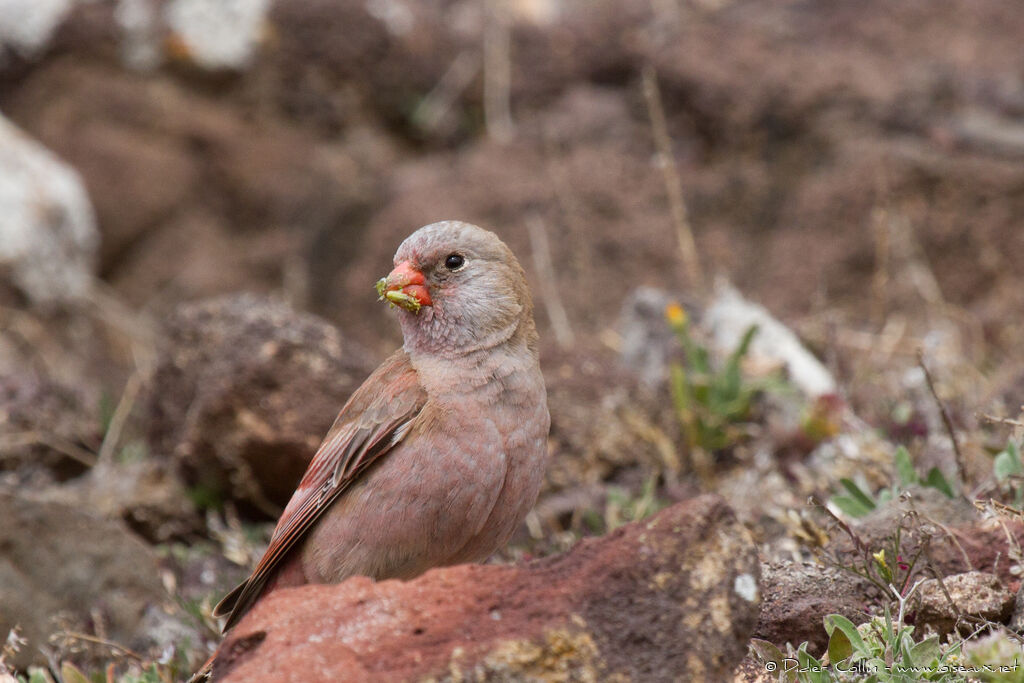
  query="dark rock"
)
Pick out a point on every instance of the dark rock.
point(674, 597)
point(58, 561)
point(49, 432)
point(62, 369)
point(43, 425)
point(798, 596)
point(1017, 617)
point(752, 670)
point(244, 392)
point(146, 494)
point(975, 595)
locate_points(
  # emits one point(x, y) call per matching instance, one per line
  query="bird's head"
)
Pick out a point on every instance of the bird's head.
point(460, 289)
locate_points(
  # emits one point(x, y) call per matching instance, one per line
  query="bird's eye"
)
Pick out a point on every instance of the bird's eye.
point(454, 261)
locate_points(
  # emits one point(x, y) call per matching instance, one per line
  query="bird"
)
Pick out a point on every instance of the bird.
point(439, 455)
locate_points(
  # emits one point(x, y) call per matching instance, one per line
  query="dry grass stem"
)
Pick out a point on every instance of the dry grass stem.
point(880, 279)
point(56, 442)
point(996, 420)
point(118, 419)
point(952, 539)
point(498, 72)
point(914, 262)
point(117, 648)
point(136, 326)
point(435, 107)
point(673, 183)
point(569, 205)
point(541, 252)
point(945, 418)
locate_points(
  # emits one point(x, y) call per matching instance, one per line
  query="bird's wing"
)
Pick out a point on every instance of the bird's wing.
point(376, 417)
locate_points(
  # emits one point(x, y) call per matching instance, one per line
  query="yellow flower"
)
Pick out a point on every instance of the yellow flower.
point(675, 315)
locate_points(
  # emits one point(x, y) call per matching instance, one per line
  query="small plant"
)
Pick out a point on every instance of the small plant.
point(713, 404)
point(881, 650)
point(1009, 472)
point(997, 658)
point(886, 566)
point(857, 503)
point(621, 507)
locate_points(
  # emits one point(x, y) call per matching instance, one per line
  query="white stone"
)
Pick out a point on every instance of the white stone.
point(219, 34)
point(746, 587)
point(26, 25)
point(730, 316)
point(48, 236)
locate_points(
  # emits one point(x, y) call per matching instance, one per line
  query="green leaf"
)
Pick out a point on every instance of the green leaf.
point(814, 670)
point(744, 346)
point(767, 652)
point(937, 480)
point(855, 492)
point(680, 390)
point(1007, 463)
point(838, 623)
point(729, 388)
point(851, 506)
point(839, 647)
point(926, 652)
point(697, 358)
point(906, 658)
point(904, 467)
point(69, 673)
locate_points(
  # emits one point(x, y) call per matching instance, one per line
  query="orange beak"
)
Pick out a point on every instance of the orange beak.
point(406, 287)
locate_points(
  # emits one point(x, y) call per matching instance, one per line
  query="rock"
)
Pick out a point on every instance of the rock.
point(974, 594)
point(752, 670)
point(218, 35)
point(674, 597)
point(245, 391)
point(729, 316)
point(48, 237)
point(44, 425)
point(62, 369)
point(647, 341)
point(797, 596)
point(27, 25)
point(1017, 618)
point(145, 494)
point(58, 561)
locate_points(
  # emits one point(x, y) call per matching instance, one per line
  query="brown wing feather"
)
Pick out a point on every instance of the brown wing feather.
point(374, 419)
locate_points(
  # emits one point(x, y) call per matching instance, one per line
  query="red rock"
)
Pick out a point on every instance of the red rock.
point(670, 598)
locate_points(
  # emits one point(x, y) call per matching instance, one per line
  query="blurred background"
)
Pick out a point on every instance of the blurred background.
point(196, 197)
